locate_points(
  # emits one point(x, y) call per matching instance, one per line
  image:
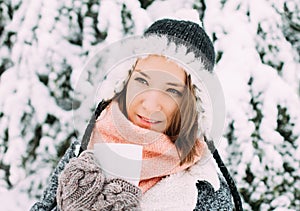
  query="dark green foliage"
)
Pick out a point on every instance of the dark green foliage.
point(127, 22)
point(285, 126)
point(291, 24)
point(146, 3)
point(200, 6)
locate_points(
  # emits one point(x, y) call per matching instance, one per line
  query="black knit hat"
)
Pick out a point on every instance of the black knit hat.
point(189, 34)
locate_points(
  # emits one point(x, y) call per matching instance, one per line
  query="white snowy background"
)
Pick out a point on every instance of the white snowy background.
point(44, 44)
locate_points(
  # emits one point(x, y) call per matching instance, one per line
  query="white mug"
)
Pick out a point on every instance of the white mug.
point(120, 160)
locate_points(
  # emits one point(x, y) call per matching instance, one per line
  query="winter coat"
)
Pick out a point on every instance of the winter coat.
point(197, 188)
point(170, 193)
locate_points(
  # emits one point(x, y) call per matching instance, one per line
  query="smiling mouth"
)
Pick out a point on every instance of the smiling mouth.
point(149, 121)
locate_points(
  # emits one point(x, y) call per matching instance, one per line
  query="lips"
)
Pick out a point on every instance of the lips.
point(148, 121)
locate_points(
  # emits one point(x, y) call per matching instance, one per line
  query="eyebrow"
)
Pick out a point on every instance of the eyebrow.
point(175, 84)
point(142, 73)
point(168, 83)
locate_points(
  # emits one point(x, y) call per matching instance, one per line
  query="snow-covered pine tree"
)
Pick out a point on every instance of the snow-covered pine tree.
point(7, 9)
point(277, 39)
point(291, 23)
point(45, 43)
point(36, 96)
point(258, 68)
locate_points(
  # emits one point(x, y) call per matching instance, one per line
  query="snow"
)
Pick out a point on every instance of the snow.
point(178, 10)
point(46, 50)
point(109, 20)
point(13, 200)
point(281, 201)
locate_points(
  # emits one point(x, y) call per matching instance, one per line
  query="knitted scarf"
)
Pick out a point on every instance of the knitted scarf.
point(160, 156)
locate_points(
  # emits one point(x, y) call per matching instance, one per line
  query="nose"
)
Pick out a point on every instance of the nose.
point(152, 101)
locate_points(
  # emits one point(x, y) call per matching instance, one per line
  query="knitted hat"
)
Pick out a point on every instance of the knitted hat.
point(186, 33)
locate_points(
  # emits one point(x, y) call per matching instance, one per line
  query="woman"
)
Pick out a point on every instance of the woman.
point(161, 108)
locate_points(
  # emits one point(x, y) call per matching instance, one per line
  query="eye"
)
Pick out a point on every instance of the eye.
point(141, 80)
point(174, 92)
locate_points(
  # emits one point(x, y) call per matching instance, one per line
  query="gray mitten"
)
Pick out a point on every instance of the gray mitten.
point(83, 186)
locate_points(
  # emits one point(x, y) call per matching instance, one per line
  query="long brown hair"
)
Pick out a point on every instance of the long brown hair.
point(184, 127)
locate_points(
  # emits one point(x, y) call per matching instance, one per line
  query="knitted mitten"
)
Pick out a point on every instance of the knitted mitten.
point(209, 199)
point(83, 186)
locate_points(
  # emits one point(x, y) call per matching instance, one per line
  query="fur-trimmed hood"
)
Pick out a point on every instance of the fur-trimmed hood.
point(106, 73)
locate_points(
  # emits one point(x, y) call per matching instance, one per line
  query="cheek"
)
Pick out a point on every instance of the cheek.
point(131, 93)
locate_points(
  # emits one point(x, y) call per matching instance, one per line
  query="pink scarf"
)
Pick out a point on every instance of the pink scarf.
point(160, 156)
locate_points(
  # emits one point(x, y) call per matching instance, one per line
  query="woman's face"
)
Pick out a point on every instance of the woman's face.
point(154, 92)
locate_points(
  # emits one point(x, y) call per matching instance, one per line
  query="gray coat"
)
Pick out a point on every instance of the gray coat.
point(208, 199)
